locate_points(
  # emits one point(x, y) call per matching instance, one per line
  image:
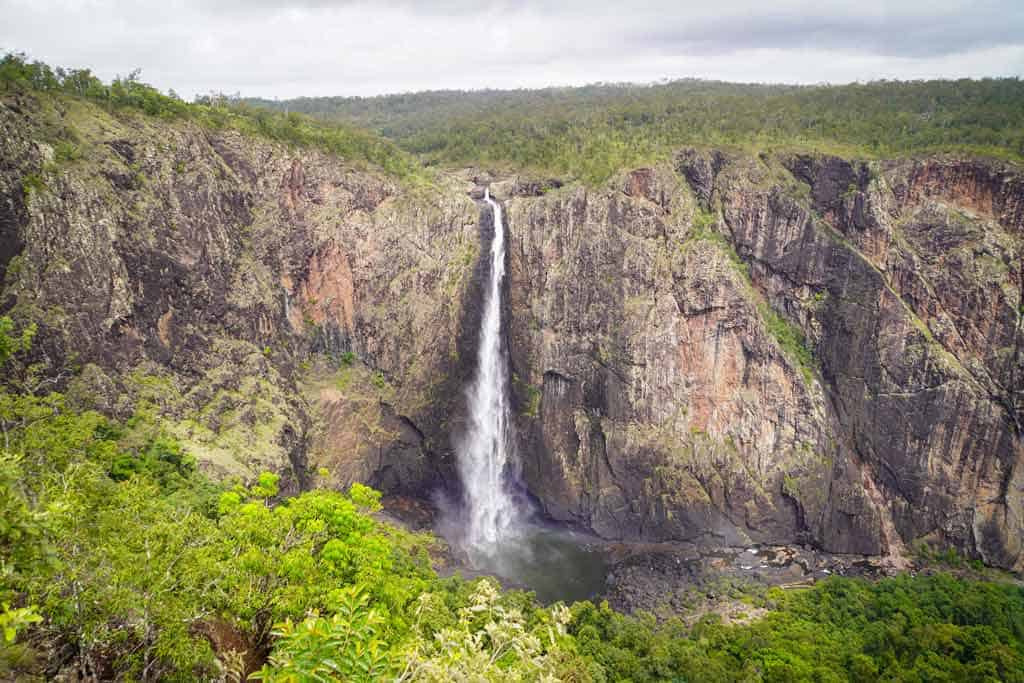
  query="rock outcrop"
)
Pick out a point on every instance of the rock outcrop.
point(279, 308)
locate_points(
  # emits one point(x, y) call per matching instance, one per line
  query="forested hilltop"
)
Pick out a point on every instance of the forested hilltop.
point(128, 93)
point(592, 131)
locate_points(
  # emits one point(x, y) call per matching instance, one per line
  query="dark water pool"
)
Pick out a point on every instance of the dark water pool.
point(554, 562)
point(557, 564)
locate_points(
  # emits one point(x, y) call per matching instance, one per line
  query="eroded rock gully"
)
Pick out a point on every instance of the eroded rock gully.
point(726, 348)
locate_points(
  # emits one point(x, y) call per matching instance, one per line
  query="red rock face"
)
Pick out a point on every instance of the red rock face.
point(671, 407)
point(227, 265)
point(642, 184)
point(987, 188)
point(327, 292)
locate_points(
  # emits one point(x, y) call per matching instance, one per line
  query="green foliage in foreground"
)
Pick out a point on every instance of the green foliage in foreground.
point(593, 131)
point(119, 559)
point(129, 93)
point(934, 628)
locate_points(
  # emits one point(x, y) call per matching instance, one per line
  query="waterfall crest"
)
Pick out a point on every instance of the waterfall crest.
point(485, 450)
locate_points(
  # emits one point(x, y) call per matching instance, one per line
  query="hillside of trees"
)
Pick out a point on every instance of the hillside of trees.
point(590, 132)
point(129, 93)
point(593, 131)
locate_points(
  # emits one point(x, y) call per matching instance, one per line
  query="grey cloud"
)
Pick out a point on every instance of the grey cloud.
point(440, 7)
point(924, 33)
point(326, 47)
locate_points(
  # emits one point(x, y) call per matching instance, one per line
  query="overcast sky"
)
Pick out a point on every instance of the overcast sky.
point(340, 47)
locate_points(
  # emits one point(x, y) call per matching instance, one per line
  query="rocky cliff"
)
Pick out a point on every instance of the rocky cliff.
point(276, 308)
point(779, 349)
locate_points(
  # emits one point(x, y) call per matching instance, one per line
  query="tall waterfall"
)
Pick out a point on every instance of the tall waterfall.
point(484, 453)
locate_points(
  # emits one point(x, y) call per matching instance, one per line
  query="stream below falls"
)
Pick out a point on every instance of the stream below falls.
point(555, 563)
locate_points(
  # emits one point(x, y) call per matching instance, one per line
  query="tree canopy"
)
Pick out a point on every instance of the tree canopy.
point(128, 93)
point(592, 131)
point(120, 560)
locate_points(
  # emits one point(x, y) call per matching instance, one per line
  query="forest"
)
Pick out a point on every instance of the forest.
point(19, 74)
point(589, 133)
point(116, 552)
point(592, 131)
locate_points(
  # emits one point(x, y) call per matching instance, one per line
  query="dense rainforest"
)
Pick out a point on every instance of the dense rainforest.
point(123, 558)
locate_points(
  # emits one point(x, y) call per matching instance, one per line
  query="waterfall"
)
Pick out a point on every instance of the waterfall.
point(484, 452)
point(495, 527)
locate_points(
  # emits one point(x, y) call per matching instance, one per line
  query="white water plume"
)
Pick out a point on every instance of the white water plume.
point(484, 454)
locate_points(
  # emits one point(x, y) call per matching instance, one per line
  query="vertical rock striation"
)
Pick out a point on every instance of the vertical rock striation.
point(280, 308)
point(777, 349)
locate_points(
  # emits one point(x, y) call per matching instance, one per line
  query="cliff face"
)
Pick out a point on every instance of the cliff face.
point(777, 350)
point(771, 349)
point(918, 332)
point(276, 308)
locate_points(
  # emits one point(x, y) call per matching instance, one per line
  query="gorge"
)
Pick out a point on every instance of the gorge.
point(792, 349)
point(776, 363)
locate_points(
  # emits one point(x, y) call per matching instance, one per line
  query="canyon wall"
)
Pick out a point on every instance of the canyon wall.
point(275, 308)
point(776, 349)
point(724, 347)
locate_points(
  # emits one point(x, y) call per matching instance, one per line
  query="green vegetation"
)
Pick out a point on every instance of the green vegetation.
point(705, 229)
point(593, 131)
point(789, 338)
point(115, 550)
point(947, 558)
point(17, 74)
point(589, 132)
point(531, 396)
point(32, 183)
point(934, 628)
point(66, 151)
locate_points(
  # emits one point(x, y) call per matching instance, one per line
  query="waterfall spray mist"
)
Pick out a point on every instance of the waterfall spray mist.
point(484, 453)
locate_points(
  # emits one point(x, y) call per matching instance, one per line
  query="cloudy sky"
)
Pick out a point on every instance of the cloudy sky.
point(342, 47)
